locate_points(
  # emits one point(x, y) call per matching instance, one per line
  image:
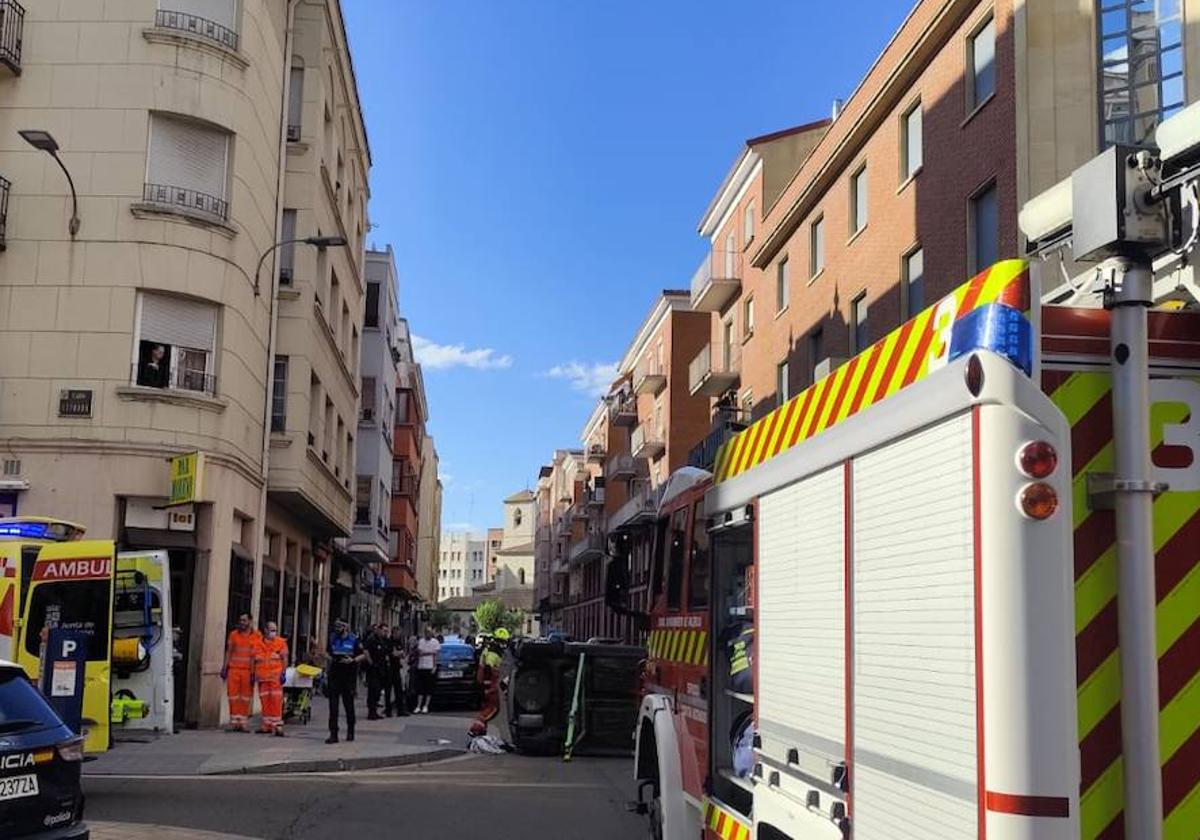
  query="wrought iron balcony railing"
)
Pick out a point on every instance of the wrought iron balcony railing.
point(12, 26)
point(169, 196)
point(196, 25)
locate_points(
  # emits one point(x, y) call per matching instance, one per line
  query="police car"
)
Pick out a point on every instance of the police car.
point(40, 759)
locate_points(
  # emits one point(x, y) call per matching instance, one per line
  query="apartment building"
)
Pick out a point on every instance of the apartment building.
point(495, 540)
point(558, 484)
point(429, 533)
point(641, 432)
point(137, 322)
point(462, 566)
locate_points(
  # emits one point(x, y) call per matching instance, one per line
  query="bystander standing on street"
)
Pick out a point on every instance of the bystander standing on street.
point(270, 661)
point(238, 671)
point(427, 656)
point(394, 696)
point(345, 652)
point(379, 649)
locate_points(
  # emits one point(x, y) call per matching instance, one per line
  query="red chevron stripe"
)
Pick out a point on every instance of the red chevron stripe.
point(801, 414)
point(1179, 665)
point(1096, 642)
point(1178, 557)
point(1115, 830)
point(789, 411)
point(845, 386)
point(1181, 774)
point(746, 459)
point(914, 364)
point(889, 369)
point(869, 362)
point(1091, 433)
point(772, 421)
point(1052, 380)
point(1100, 748)
point(816, 417)
point(1093, 538)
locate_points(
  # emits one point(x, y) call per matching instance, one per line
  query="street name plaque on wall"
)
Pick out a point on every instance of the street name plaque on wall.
point(75, 402)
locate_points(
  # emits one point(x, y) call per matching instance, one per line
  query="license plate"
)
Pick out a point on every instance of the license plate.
point(449, 675)
point(18, 787)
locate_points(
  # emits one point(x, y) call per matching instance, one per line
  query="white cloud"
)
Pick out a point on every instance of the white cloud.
point(434, 356)
point(592, 379)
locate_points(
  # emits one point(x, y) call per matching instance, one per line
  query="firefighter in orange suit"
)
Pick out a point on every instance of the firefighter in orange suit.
point(270, 661)
point(238, 671)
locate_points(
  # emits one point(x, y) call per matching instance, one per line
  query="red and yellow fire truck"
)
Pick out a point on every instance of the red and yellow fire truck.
point(916, 559)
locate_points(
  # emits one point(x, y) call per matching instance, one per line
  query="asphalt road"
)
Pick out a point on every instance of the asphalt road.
point(492, 797)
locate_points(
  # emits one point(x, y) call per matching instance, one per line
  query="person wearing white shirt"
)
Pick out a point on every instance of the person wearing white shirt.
point(427, 656)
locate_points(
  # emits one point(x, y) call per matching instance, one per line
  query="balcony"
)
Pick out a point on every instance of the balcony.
point(595, 493)
point(622, 410)
point(593, 546)
point(4, 185)
point(640, 510)
point(405, 484)
point(621, 467)
point(704, 454)
point(198, 26)
point(647, 442)
point(649, 378)
point(715, 369)
point(716, 281)
point(12, 25)
point(596, 453)
point(578, 512)
point(171, 197)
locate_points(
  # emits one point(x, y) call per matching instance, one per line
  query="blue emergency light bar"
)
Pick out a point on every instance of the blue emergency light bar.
point(52, 531)
point(996, 327)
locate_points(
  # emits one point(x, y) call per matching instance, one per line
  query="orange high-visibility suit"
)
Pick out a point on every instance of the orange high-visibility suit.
point(239, 657)
point(270, 661)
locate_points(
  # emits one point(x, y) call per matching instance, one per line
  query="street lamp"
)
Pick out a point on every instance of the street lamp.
point(318, 242)
point(44, 141)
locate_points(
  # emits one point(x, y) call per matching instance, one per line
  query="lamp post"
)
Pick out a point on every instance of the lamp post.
point(44, 141)
point(318, 242)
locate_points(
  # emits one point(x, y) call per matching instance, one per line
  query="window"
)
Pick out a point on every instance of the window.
point(783, 285)
point(859, 330)
point(981, 64)
point(335, 291)
point(678, 535)
point(912, 282)
point(699, 571)
point(81, 605)
point(816, 352)
point(748, 225)
point(402, 408)
point(295, 100)
point(781, 382)
point(1141, 66)
point(372, 315)
point(314, 408)
point(187, 166)
point(521, 576)
point(985, 228)
point(367, 405)
point(362, 500)
point(517, 518)
point(727, 345)
point(858, 200)
point(176, 338)
point(816, 247)
point(287, 253)
point(911, 143)
point(279, 395)
point(747, 318)
point(730, 260)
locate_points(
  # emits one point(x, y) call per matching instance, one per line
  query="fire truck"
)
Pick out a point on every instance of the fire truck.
point(891, 609)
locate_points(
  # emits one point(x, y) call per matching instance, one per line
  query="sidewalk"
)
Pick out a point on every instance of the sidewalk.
point(388, 742)
point(137, 831)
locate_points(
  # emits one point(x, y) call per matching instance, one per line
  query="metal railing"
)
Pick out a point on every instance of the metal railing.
point(622, 409)
point(715, 359)
point(593, 544)
point(190, 199)
point(176, 380)
point(704, 454)
point(621, 465)
point(717, 265)
point(4, 186)
point(12, 26)
point(196, 25)
point(405, 484)
point(645, 438)
point(642, 507)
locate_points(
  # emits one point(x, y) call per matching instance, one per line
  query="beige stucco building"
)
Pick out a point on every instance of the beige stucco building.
point(149, 332)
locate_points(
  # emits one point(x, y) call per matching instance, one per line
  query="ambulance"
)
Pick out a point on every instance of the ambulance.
point(51, 577)
point(914, 560)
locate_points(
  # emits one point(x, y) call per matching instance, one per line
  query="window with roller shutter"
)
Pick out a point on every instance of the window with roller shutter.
point(176, 342)
point(187, 166)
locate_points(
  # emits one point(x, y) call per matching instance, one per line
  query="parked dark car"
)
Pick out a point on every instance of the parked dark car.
point(40, 758)
point(456, 683)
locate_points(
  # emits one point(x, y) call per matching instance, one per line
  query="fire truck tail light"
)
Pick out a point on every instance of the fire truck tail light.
point(1038, 500)
point(974, 375)
point(1037, 459)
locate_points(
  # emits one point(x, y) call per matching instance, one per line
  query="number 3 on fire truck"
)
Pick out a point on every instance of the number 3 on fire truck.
point(1184, 434)
point(943, 327)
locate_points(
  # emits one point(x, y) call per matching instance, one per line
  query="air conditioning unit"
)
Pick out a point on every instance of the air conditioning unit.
point(828, 366)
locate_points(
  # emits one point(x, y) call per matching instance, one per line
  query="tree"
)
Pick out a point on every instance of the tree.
point(492, 615)
point(440, 618)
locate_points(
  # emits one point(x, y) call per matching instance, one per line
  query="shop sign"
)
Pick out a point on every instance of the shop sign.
point(75, 402)
point(187, 474)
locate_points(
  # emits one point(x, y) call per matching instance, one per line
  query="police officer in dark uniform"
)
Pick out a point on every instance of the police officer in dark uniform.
point(345, 652)
point(379, 649)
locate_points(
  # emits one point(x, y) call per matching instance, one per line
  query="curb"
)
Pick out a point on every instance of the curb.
point(337, 765)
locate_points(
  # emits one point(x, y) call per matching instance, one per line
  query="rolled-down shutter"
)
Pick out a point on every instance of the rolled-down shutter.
point(223, 12)
point(179, 322)
point(187, 155)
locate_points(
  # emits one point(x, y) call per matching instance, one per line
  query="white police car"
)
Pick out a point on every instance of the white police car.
point(40, 758)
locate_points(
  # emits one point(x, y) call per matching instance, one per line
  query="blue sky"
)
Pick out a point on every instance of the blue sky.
point(540, 167)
